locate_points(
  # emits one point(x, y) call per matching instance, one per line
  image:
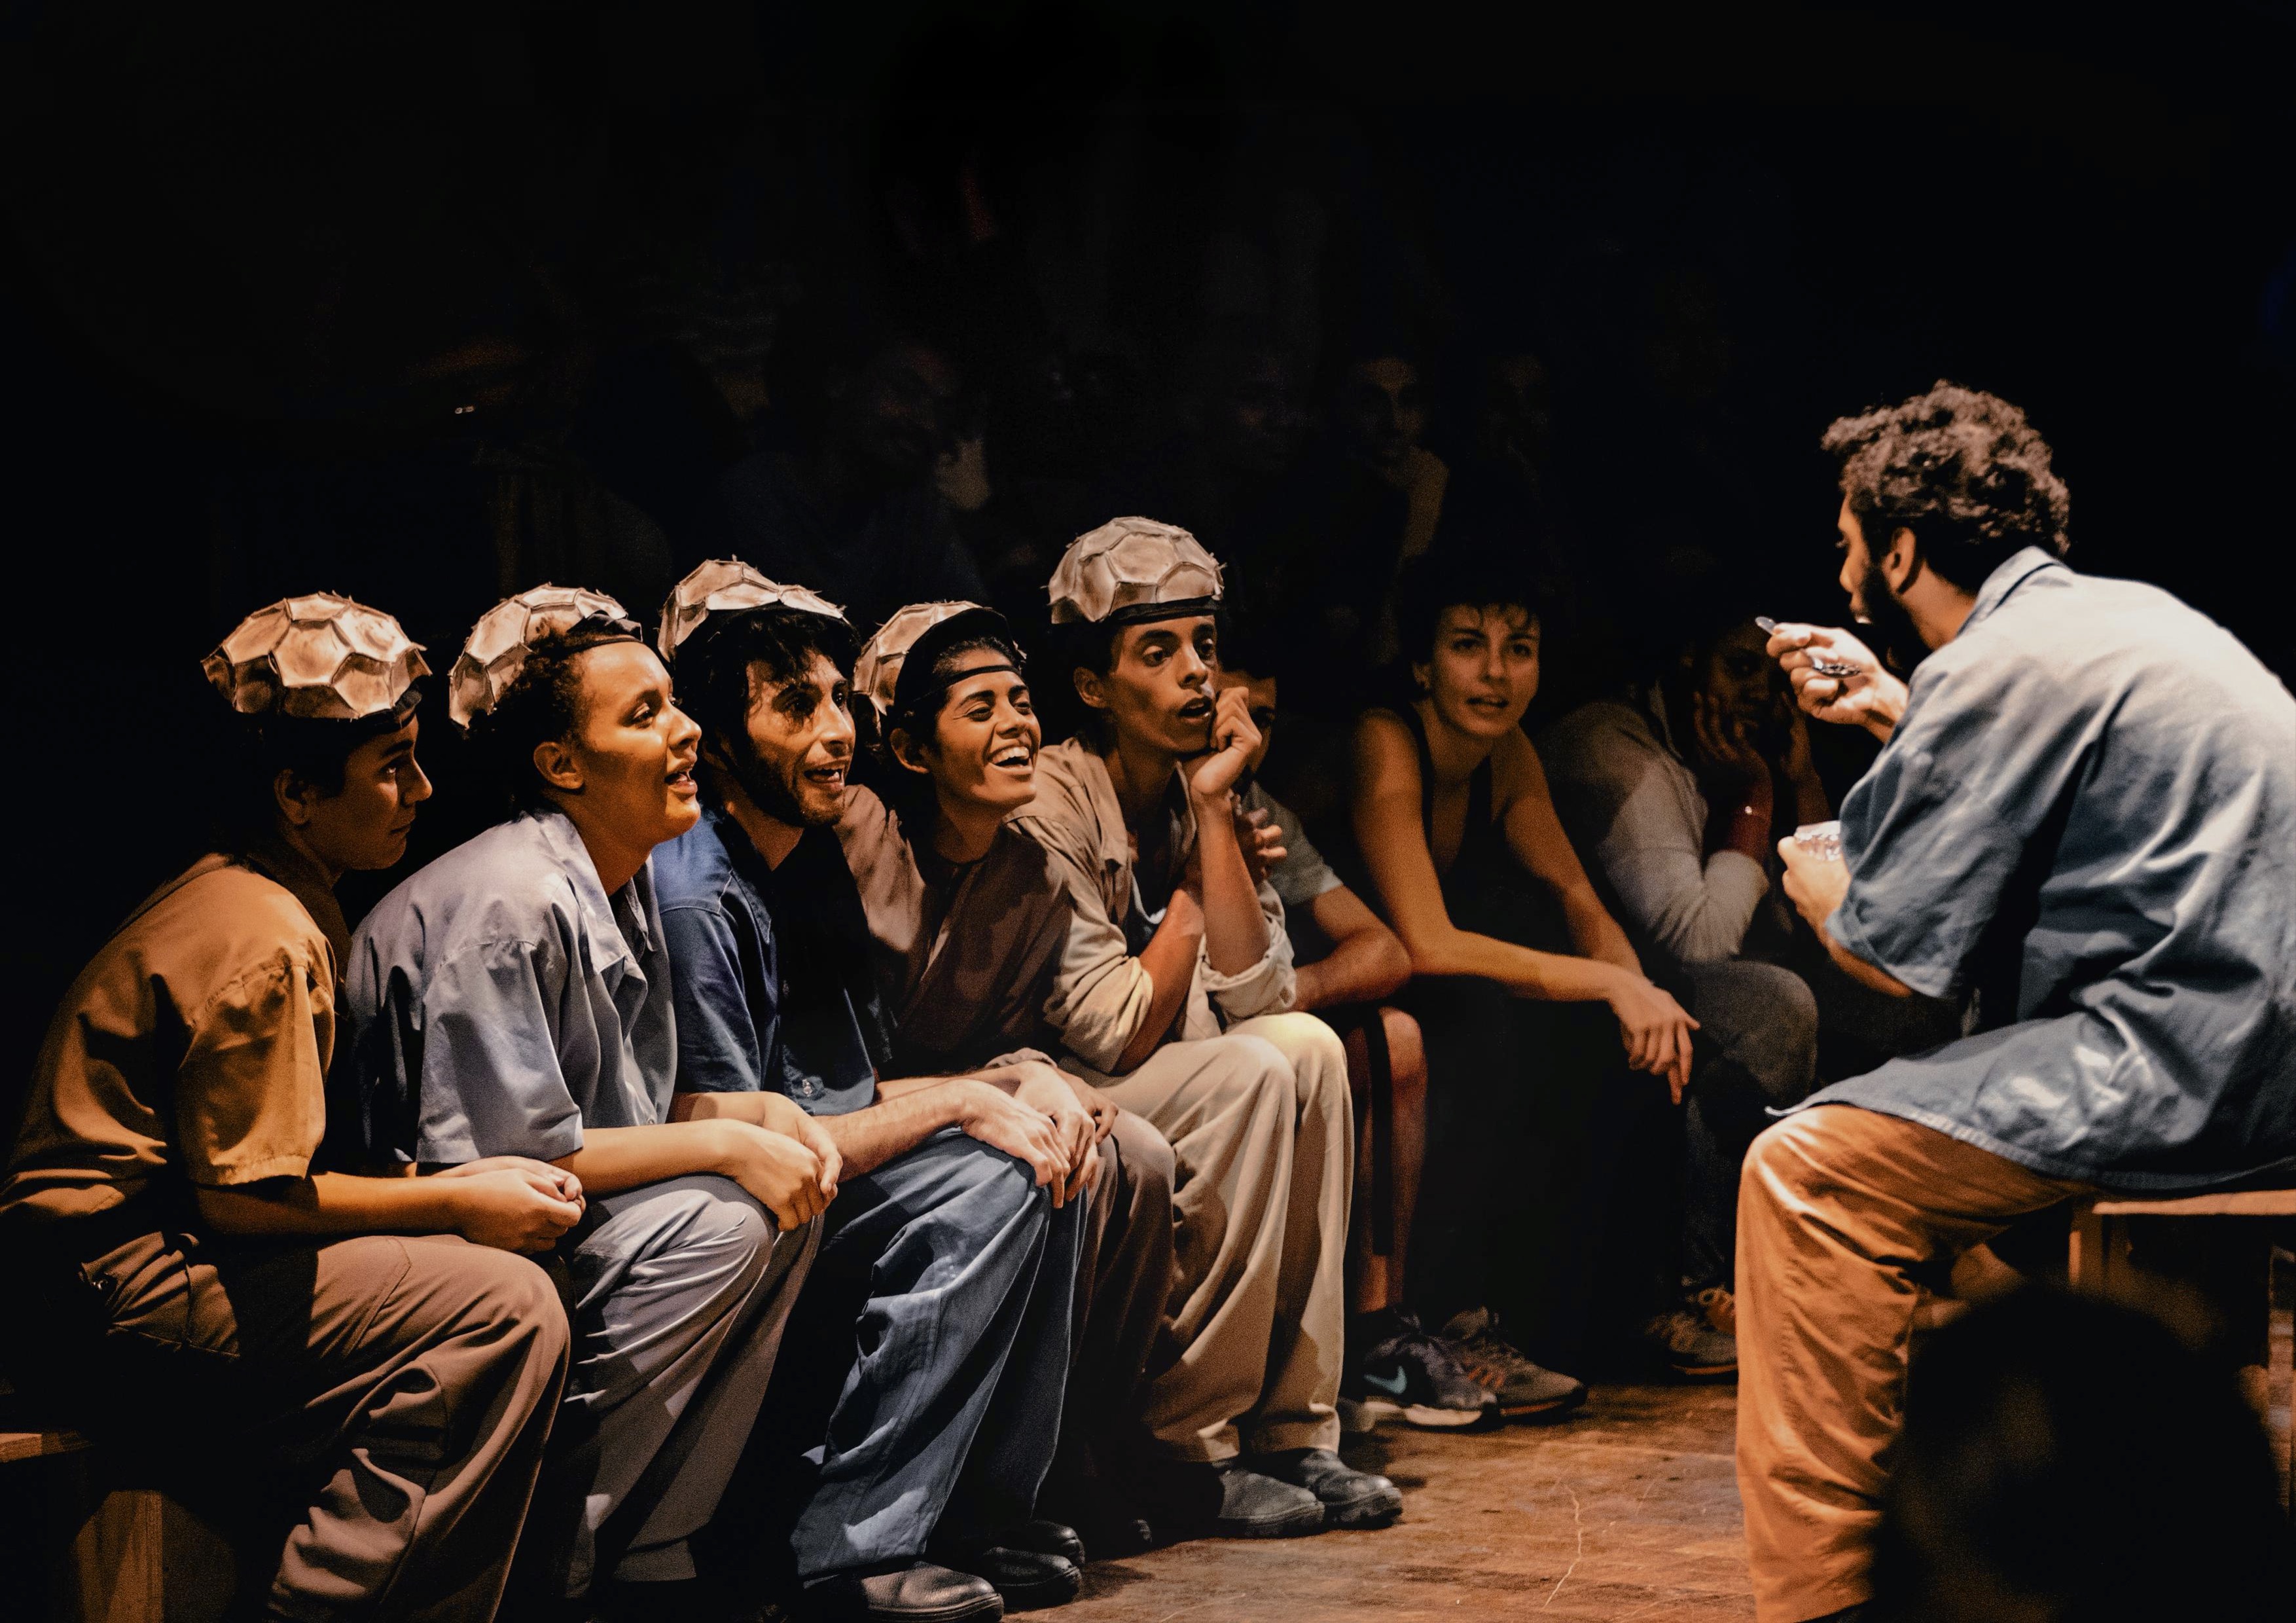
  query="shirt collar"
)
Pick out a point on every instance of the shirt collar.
point(1115, 839)
point(617, 926)
point(274, 858)
point(2013, 573)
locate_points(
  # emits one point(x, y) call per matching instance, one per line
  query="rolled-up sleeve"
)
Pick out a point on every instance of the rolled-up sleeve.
point(1100, 993)
point(250, 1097)
point(719, 1049)
point(499, 1035)
point(1267, 987)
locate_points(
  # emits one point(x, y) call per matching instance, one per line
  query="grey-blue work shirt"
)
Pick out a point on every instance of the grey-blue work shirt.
point(501, 1002)
point(775, 988)
point(2088, 817)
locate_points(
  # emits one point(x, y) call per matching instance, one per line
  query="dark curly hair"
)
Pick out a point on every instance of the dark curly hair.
point(1475, 576)
point(712, 670)
point(1960, 468)
point(543, 702)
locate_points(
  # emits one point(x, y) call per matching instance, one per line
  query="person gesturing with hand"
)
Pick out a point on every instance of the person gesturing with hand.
point(1837, 679)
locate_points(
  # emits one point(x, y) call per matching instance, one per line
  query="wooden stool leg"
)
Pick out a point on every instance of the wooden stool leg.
point(2085, 1260)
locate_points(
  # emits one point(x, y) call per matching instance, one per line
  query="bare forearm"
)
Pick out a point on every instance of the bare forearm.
point(1857, 969)
point(1596, 934)
point(1554, 977)
point(907, 1114)
point(1169, 959)
point(1360, 969)
point(615, 1158)
point(330, 1203)
point(1236, 930)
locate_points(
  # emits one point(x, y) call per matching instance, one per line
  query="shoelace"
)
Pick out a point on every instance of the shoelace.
point(1433, 1350)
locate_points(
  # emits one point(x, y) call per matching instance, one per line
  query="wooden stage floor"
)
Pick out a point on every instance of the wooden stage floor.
point(1628, 1509)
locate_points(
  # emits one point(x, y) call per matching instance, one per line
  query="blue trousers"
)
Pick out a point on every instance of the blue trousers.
point(939, 1308)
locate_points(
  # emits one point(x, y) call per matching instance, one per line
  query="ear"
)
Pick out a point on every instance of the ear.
point(295, 799)
point(555, 759)
point(1089, 687)
point(1902, 563)
point(907, 750)
point(1422, 675)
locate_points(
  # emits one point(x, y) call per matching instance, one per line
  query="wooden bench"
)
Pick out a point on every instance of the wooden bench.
point(2097, 1261)
point(85, 1546)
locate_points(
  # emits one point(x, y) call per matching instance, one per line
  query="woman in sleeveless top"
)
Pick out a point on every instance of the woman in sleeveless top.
point(1533, 1003)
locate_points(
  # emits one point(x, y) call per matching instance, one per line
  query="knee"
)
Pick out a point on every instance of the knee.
point(723, 1220)
point(1776, 1174)
point(1407, 1055)
point(513, 1303)
point(1146, 1162)
point(1316, 1059)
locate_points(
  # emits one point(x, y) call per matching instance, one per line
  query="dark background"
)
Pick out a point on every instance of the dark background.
point(393, 302)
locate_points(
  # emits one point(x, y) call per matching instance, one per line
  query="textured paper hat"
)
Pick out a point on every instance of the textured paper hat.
point(727, 586)
point(506, 633)
point(1132, 569)
point(320, 656)
point(877, 673)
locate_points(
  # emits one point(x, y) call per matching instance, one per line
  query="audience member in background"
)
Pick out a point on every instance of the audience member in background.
point(2033, 1485)
point(966, 918)
point(176, 1273)
point(513, 998)
point(1345, 963)
point(924, 1367)
point(1525, 987)
point(2085, 816)
point(860, 513)
point(1372, 505)
point(1677, 793)
point(1141, 822)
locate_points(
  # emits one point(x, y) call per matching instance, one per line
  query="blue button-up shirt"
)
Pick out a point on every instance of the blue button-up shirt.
point(775, 988)
point(501, 1002)
point(2088, 817)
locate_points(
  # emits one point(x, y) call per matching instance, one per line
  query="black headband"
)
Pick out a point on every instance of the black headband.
point(1184, 608)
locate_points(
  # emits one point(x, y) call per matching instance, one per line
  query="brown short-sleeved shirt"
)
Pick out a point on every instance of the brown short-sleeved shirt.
point(193, 1048)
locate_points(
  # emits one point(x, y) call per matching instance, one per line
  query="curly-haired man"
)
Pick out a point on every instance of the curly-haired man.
point(2085, 816)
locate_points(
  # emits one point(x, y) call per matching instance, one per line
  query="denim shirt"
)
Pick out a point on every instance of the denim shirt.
point(501, 1002)
point(774, 981)
point(2087, 818)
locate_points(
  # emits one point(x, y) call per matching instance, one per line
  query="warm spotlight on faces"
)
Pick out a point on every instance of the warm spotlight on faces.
point(632, 753)
point(1484, 670)
point(364, 824)
point(1159, 688)
point(800, 744)
point(986, 736)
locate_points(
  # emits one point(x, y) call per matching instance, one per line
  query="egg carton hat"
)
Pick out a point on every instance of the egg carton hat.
point(505, 635)
point(320, 657)
point(895, 670)
point(1132, 569)
point(727, 586)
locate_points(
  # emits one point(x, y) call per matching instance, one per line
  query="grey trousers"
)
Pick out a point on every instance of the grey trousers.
point(398, 1388)
point(678, 1292)
point(1127, 1274)
point(1260, 1124)
point(1756, 1048)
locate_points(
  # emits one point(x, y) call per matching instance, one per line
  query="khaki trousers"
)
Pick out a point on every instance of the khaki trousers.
point(398, 1388)
point(1842, 1212)
point(1259, 1123)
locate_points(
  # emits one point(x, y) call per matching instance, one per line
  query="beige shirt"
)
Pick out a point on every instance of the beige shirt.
point(1100, 993)
point(193, 1048)
point(963, 955)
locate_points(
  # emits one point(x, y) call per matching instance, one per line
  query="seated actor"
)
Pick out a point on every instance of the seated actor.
point(1171, 998)
point(925, 1364)
point(2086, 815)
point(1344, 963)
point(173, 1267)
point(966, 919)
point(513, 998)
point(1675, 792)
point(1527, 988)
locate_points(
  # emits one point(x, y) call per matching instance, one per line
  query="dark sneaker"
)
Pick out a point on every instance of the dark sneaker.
point(1497, 1364)
point(1719, 1307)
point(1029, 1580)
point(1691, 1344)
point(1407, 1374)
point(1256, 1505)
point(1349, 1498)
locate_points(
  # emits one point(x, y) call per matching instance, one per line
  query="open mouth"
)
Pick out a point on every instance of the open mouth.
point(1015, 758)
point(1197, 709)
point(830, 777)
point(1488, 706)
point(681, 782)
